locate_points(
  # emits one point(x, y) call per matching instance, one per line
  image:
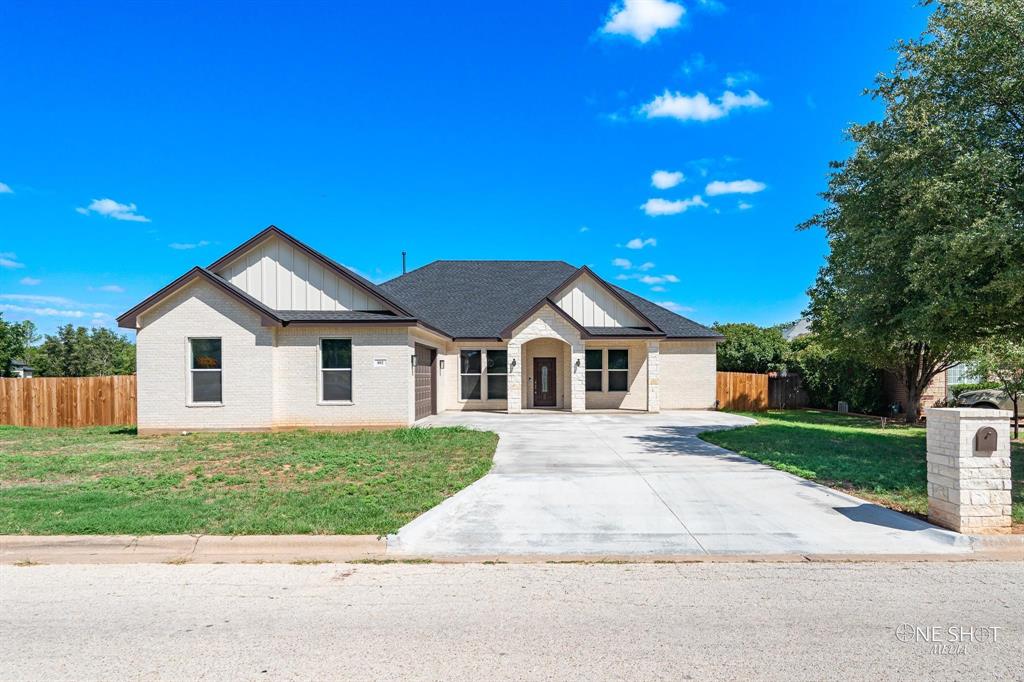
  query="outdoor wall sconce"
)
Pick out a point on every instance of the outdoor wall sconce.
point(441, 363)
point(512, 365)
point(413, 358)
point(577, 362)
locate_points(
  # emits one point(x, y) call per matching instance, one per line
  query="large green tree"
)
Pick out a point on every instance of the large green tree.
point(749, 348)
point(80, 352)
point(1003, 361)
point(15, 338)
point(925, 220)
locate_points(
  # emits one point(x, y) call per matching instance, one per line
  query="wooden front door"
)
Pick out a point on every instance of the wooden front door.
point(544, 383)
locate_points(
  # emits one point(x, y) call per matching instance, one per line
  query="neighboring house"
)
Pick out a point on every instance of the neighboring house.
point(21, 369)
point(277, 335)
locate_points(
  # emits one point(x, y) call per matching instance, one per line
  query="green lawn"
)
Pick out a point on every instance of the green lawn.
point(850, 453)
point(109, 480)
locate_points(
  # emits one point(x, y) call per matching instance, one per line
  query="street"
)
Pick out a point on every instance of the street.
point(521, 621)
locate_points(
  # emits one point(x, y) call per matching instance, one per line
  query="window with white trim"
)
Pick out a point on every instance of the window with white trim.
point(594, 368)
point(470, 376)
point(618, 369)
point(336, 370)
point(205, 371)
point(497, 374)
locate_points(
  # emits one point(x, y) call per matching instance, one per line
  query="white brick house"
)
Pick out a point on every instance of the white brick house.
point(276, 335)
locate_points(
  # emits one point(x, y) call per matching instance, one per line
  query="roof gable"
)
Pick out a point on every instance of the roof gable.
point(130, 317)
point(592, 302)
point(285, 274)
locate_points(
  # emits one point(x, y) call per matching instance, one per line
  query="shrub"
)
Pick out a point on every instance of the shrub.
point(830, 376)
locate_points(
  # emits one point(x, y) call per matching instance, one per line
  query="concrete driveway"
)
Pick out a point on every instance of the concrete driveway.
point(619, 483)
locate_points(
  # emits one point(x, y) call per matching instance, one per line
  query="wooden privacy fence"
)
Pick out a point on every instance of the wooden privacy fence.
point(742, 391)
point(68, 401)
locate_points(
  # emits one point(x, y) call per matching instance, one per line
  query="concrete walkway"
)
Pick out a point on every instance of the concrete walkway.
point(641, 484)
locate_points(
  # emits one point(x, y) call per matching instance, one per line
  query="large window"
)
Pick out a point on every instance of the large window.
point(497, 374)
point(618, 370)
point(595, 363)
point(469, 374)
point(205, 371)
point(335, 370)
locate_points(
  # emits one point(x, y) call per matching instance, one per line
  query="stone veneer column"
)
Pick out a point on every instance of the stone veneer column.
point(578, 397)
point(968, 490)
point(515, 377)
point(653, 385)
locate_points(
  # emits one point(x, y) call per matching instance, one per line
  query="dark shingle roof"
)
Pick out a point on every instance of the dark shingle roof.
point(340, 316)
point(479, 299)
point(672, 324)
point(622, 331)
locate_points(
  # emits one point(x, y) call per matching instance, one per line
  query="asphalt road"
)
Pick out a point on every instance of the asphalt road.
point(483, 622)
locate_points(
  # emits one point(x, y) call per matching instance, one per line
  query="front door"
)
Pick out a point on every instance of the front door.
point(543, 382)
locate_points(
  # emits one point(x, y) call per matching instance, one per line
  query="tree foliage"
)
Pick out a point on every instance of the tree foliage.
point(80, 352)
point(15, 338)
point(924, 220)
point(830, 375)
point(749, 348)
point(1004, 362)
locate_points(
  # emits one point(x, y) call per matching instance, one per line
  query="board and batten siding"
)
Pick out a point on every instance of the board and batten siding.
point(285, 278)
point(591, 304)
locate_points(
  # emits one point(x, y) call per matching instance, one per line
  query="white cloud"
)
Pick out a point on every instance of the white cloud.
point(643, 18)
point(658, 288)
point(185, 246)
point(9, 260)
point(584, 229)
point(622, 263)
point(656, 207)
point(711, 5)
point(658, 279)
point(717, 187)
point(46, 312)
point(644, 267)
point(699, 107)
point(113, 209)
point(674, 307)
point(38, 299)
point(30, 281)
point(738, 78)
point(744, 206)
point(111, 289)
point(5, 188)
point(666, 179)
point(637, 243)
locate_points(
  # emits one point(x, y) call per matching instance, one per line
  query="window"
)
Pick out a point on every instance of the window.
point(205, 370)
point(594, 366)
point(469, 370)
point(618, 370)
point(497, 374)
point(336, 370)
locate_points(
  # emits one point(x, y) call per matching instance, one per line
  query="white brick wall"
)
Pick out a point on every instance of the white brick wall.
point(967, 492)
point(380, 395)
point(687, 374)
point(270, 375)
point(201, 309)
point(637, 396)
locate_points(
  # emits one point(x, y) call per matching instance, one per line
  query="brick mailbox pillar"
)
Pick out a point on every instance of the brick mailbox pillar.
point(969, 469)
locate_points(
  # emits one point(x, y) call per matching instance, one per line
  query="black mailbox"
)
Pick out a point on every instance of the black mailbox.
point(985, 441)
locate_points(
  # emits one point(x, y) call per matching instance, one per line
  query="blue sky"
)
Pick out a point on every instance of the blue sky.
point(140, 139)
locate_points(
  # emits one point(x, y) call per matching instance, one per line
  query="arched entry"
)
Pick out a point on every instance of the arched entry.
point(547, 374)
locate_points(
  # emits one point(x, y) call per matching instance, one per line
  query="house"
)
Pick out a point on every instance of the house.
point(276, 335)
point(21, 369)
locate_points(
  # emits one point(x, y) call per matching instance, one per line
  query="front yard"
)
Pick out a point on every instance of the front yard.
point(107, 480)
point(850, 453)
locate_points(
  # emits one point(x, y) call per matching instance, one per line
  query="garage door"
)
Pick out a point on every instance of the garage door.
point(426, 395)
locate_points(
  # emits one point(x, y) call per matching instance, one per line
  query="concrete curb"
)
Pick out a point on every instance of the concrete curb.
point(207, 549)
point(210, 549)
